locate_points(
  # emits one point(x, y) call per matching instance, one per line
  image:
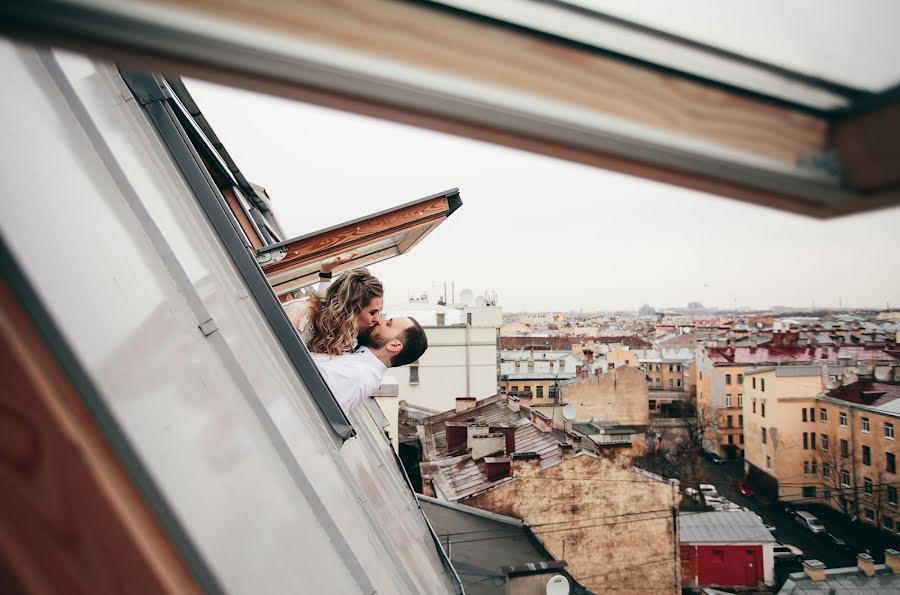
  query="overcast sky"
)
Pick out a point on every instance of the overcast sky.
point(546, 234)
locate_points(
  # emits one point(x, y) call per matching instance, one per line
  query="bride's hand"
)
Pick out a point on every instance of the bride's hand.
point(329, 265)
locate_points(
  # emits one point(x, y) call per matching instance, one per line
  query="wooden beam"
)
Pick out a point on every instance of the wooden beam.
point(868, 148)
point(70, 519)
point(409, 33)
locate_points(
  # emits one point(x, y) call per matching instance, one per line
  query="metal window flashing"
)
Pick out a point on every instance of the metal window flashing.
point(163, 116)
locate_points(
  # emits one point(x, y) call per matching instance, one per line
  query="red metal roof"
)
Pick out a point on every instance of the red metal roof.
point(724, 356)
point(853, 393)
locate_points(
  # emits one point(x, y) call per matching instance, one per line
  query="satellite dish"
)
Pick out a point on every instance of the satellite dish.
point(829, 384)
point(558, 585)
point(480, 301)
point(569, 412)
point(466, 297)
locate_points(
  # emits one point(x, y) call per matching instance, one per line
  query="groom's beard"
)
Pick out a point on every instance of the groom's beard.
point(365, 339)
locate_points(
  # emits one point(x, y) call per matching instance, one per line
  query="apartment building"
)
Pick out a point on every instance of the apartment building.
point(536, 371)
point(859, 423)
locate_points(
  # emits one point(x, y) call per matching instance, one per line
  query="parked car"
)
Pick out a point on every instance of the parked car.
point(713, 458)
point(837, 543)
point(708, 489)
point(785, 552)
point(809, 521)
point(742, 488)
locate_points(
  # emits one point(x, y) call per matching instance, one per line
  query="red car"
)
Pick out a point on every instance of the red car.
point(743, 489)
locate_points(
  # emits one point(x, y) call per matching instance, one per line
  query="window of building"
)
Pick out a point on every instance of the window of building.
point(763, 408)
point(845, 448)
point(768, 462)
point(740, 379)
point(892, 495)
point(740, 400)
point(866, 455)
point(888, 430)
point(553, 393)
point(812, 414)
point(842, 419)
point(678, 382)
point(890, 462)
point(671, 368)
point(701, 375)
point(414, 374)
point(763, 435)
point(753, 404)
point(740, 421)
point(678, 368)
point(753, 382)
point(469, 318)
point(823, 414)
point(730, 438)
point(812, 440)
point(658, 382)
point(803, 411)
point(825, 442)
point(728, 400)
point(441, 316)
point(805, 467)
point(729, 421)
point(845, 478)
point(805, 441)
point(869, 513)
point(865, 424)
point(762, 384)
point(809, 492)
point(826, 470)
point(671, 382)
point(742, 439)
point(826, 494)
point(888, 523)
point(727, 378)
point(526, 388)
point(813, 467)
point(540, 392)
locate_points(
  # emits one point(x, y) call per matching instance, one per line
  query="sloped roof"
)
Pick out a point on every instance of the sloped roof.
point(723, 527)
point(791, 355)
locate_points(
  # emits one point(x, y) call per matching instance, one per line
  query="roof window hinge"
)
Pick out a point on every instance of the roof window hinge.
point(208, 327)
point(270, 256)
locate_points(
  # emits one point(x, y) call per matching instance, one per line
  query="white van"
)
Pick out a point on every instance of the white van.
point(810, 521)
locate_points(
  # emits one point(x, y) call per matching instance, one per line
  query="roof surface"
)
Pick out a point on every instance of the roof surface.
point(840, 581)
point(792, 355)
point(853, 393)
point(723, 527)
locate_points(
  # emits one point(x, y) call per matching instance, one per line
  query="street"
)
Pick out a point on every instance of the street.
point(860, 537)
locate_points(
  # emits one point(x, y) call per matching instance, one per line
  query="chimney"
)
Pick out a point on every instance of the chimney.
point(588, 355)
point(754, 343)
point(488, 444)
point(513, 403)
point(473, 430)
point(509, 435)
point(892, 560)
point(866, 564)
point(464, 404)
point(503, 394)
point(815, 570)
point(457, 436)
point(497, 468)
point(541, 421)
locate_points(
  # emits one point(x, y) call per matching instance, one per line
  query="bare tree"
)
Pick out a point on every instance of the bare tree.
point(834, 462)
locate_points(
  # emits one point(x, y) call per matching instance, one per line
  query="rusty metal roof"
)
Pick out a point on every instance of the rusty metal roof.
point(461, 476)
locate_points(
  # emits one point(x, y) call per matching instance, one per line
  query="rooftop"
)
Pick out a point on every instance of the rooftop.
point(797, 355)
point(882, 396)
point(739, 526)
point(841, 581)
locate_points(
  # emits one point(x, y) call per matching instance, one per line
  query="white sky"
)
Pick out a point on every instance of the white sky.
point(547, 234)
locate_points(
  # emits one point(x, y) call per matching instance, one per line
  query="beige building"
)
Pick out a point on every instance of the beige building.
point(617, 397)
point(780, 424)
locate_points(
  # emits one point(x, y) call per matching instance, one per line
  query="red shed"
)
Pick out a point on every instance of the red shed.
point(725, 549)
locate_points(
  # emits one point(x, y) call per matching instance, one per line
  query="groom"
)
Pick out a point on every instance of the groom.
point(354, 377)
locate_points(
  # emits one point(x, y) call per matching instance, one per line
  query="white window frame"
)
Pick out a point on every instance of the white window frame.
point(864, 424)
point(888, 430)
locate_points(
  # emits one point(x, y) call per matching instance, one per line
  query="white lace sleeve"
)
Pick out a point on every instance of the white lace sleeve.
point(304, 325)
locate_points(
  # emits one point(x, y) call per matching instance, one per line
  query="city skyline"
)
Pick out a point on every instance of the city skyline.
point(545, 234)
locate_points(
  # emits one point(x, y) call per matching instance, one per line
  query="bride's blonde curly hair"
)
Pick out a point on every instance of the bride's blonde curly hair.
point(334, 323)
